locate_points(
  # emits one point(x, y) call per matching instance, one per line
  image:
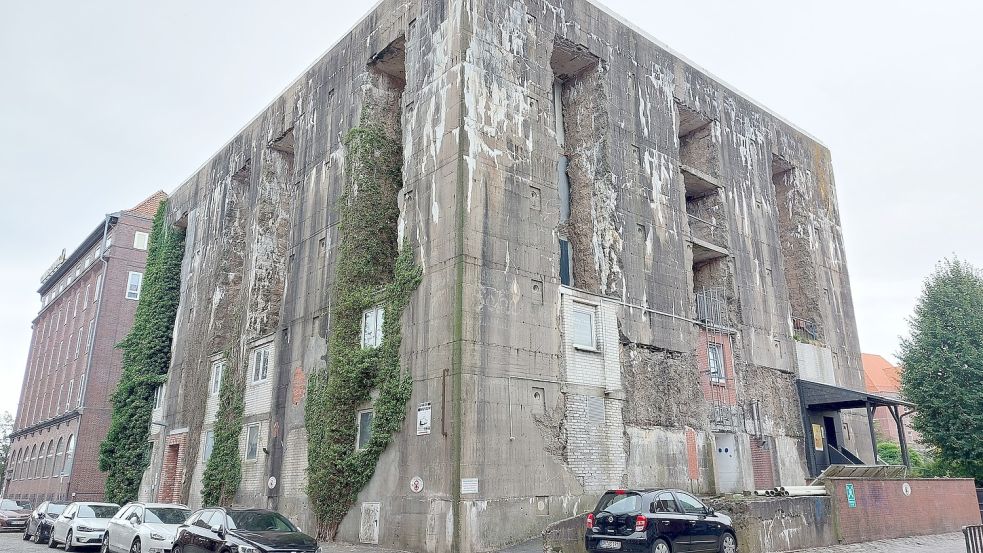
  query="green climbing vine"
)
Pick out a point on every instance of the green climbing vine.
point(125, 454)
point(371, 271)
point(223, 470)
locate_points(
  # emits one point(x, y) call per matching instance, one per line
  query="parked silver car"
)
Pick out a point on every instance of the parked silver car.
point(144, 528)
point(82, 524)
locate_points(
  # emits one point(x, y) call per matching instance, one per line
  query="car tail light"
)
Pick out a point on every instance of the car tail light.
point(590, 521)
point(640, 523)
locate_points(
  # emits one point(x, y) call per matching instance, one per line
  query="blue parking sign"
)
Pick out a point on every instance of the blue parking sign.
point(851, 496)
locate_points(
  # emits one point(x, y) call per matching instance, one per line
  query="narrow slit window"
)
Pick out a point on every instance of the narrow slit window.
point(715, 360)
point(133, 285)
point(252, 442)
point(261, 364)
point(364, 428)
point(216, 381)
point(372, 320)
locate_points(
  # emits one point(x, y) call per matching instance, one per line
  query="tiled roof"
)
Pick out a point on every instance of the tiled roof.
point(880, 375)
point(148, 207)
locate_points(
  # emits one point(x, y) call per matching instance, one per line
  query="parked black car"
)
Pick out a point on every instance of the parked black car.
point(242, 530)
point(38, 527)
point(657, 521)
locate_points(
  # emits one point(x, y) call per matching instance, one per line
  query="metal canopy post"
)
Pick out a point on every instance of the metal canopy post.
point(870, 422)
point(902, 439)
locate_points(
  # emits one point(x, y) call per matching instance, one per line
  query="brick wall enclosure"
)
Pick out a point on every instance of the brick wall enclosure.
point(883, 511)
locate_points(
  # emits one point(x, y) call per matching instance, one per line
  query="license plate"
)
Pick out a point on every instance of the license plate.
point(608, 544)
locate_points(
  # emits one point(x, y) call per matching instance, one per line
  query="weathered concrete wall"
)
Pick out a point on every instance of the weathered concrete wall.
point(488, 335)
point(781, 523)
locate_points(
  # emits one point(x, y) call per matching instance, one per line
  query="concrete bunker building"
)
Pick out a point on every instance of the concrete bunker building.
point(627, 267)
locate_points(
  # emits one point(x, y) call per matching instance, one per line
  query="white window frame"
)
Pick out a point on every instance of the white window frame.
point(140, 240)
point(98, 292)
point(91, 335)
point(261, 372)
point(85, 298)
point(590, 311)
point(249, 430)
point(718, 370)
point(78, 343)
point(358, 426)
point(215, 382)
point(209, 446)
point(68, 397)
point(130, 293)
point(372, 320)
point(78, 400)
point(159, 397)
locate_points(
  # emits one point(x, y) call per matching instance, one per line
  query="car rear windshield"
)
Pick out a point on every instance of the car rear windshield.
point(619, 503)
point(97, 511)
point(11, 505)
point(259, 521)
point(55, 508)
point(167, 516)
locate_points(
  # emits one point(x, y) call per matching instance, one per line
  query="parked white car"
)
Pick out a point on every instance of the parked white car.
point(144, 528)
point(82, 524)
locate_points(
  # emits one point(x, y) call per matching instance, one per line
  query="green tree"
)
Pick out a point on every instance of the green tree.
point(943, 367)
point(125, 454)
point(6, 427)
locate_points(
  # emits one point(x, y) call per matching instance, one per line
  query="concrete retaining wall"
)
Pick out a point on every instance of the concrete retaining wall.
point(780, 523)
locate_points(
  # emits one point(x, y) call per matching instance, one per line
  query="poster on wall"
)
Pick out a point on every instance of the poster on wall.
point(423, 417)
point(817, 437)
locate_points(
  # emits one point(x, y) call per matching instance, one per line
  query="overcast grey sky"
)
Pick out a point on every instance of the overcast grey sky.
point(104, 102)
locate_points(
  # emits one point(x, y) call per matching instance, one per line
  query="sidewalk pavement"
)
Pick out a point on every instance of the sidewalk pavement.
point(941, 543)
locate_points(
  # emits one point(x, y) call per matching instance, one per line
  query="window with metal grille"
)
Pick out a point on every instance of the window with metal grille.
point(715, 360)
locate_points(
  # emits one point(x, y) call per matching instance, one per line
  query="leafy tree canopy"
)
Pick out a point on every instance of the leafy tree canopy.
point(943, 367)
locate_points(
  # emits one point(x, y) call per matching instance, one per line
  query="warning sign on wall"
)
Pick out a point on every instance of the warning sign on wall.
point(423, 417)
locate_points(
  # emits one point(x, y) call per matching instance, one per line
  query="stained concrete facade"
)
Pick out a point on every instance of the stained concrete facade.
point(620, 254)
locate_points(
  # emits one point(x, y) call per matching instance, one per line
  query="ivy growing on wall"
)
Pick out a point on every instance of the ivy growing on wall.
point(223, 470)
point(371, 271)
point(125, 454)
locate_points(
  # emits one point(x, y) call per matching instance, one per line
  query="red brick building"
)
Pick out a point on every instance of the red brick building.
point(884, 379)
point(88, 300)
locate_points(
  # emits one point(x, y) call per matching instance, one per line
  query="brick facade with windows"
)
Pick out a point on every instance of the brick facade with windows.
point(73, 364)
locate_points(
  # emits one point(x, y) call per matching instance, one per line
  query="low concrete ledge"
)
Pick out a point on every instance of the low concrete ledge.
point(565, 536)
point(770, 524)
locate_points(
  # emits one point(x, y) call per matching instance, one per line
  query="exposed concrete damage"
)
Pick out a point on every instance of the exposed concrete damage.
point(619, 253)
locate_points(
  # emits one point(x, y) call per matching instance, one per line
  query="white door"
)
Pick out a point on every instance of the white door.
point(726, 463)
point(115, 527)
point(369, 528)
point(128, 526)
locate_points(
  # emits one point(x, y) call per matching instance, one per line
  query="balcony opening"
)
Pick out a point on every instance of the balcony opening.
point(579, 116)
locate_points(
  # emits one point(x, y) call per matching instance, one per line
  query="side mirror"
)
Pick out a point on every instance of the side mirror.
point(220, 530)
point(710, 511)
point(652, 507)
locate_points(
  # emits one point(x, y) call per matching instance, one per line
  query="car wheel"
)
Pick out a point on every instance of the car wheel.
point(660, 546)
point(36, 537)
point(177, 549)
point(26, 536)
point(105, 544)
point(728, 543)
point(68, 542)
point(51, 540)
point(135, 548)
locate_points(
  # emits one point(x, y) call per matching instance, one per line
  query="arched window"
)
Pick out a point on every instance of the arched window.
point(50, 468)
point(59, 451)
point(15, 465)
point(23, 458)
point(39, 468)
point(69, 456)
point(33, 462)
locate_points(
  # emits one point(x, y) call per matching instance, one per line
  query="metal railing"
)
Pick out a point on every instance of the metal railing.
point(974, 538)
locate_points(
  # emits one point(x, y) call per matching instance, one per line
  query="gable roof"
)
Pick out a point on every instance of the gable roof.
point(880, 375)
point(148, 207)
